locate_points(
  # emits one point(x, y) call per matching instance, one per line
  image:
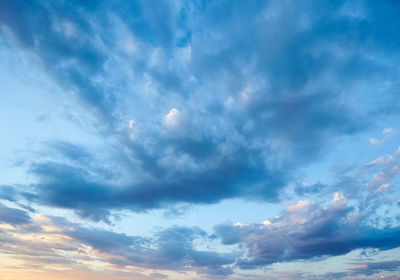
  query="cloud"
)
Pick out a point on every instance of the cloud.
point(13, 216)
point(383, 160)
point(303, 189)
point(172, 120)
point(90, 197)
point(306, 231)
point(64, 186)
point(289, 95)
point(196, 102)
point(369, 268)
point(68, 150)
point(8, 193)
point(383, 177)
point(170, 249)
point(388, 133)
point(255, 110)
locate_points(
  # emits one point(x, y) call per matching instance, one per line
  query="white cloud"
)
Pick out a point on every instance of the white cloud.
point(383, 160)
point(388, 133)
point(339, 199)
point(302, 204)
point(238, 224)
point(374, 141)
point(131, 123)
point(267, 223)
point(172, 120)
point(387, 130)
point(383, 177)
point(132, 130)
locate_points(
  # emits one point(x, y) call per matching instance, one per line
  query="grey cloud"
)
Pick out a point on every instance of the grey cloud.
point(14, 216)
point(305, 231)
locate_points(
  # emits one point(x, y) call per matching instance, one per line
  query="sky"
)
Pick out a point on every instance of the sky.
point(190, 140)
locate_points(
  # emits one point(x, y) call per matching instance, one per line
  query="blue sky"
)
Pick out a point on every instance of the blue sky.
point(199, 139)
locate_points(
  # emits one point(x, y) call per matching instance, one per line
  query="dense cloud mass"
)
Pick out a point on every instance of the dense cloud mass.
point(302, 231)
point(13, 216)
point(228, 113)
point(307, 231)
point(201, 102)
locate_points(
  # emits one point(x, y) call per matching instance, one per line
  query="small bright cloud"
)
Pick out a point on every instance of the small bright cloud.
point(172, 120)
point(374, 141)
point(267, 223)
point(302, 204)
point(131, 123)
point(383, 160)
point(132, 129)
point(339, 198)
point(387, 130)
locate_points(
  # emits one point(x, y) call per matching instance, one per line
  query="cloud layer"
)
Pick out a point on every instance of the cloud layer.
point(198, 102)
point(306, 231)
point(229, 113)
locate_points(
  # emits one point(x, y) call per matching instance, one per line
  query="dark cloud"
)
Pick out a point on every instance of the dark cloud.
point(65, 186)
point(171, 248)
point(8, 193)
point(306, 231)
point(89, 196)
point(13, 216)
